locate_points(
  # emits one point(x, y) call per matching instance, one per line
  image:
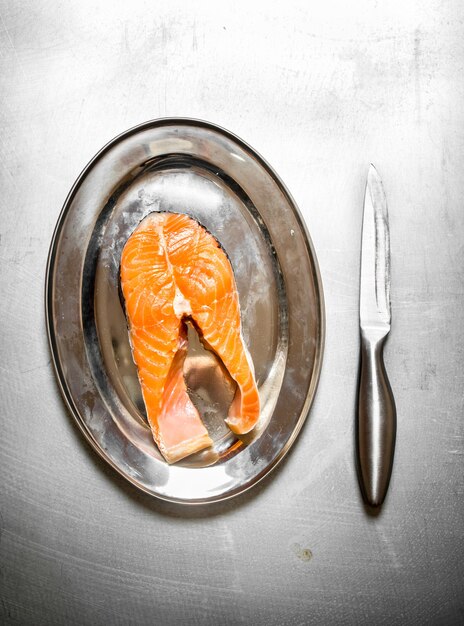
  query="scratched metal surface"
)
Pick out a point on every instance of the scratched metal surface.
point(320, 92)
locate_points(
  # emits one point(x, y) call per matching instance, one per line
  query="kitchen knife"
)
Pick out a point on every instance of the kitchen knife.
point(376, 420)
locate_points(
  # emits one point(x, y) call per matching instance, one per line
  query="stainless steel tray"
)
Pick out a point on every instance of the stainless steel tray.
point(189, 166)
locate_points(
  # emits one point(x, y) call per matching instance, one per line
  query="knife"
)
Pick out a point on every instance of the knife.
point(376, 419)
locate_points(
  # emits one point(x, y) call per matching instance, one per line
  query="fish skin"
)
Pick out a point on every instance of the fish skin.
point(172, 268)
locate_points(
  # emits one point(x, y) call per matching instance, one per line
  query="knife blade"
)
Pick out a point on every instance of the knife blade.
point(376, 416)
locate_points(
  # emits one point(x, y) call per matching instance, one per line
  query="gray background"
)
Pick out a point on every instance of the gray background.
point(320, 90)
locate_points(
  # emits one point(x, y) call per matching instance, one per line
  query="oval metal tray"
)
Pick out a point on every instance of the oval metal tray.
point(193, 167)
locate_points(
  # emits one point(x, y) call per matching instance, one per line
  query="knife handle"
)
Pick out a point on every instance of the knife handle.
point(376, 424)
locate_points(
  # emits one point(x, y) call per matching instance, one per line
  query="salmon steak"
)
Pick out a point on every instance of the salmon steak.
point(173, 269)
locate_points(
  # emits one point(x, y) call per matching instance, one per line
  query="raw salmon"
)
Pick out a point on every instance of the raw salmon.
point(172, 268)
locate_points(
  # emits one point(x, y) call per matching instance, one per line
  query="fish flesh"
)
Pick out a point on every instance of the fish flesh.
point(173, 269)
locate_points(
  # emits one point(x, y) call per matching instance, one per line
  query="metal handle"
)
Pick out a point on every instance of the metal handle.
point(376, 426)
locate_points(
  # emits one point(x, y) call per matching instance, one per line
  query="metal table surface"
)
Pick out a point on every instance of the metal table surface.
point(320, 90)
